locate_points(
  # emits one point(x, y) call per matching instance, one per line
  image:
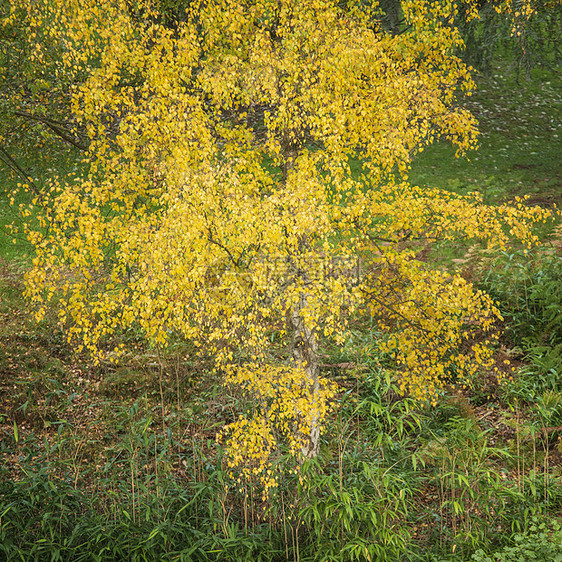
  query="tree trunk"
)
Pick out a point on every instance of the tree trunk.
point(304, 345)
point(304, 351)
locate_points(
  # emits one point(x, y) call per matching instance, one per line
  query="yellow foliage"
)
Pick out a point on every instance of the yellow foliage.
point(288, 408)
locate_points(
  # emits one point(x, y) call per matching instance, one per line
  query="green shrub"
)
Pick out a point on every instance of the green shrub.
point(529, 291)
point(542, 542)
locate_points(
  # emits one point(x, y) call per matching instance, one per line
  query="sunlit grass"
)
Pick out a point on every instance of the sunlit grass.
point(520, 150)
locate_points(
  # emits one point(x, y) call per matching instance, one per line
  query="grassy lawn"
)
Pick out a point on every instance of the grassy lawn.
point(520, 143)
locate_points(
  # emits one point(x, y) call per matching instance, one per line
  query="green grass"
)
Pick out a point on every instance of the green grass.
point(520, 150)
point(35, 168)
point(11, 244)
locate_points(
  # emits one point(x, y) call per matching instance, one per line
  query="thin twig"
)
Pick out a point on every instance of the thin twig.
point(11, 163)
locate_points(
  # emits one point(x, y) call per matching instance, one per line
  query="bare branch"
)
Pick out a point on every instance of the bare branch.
point(55, 126)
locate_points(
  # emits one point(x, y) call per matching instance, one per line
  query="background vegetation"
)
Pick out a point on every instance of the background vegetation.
point(119, 461)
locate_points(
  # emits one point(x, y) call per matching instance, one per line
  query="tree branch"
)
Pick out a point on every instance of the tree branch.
point(11, 163)
point(56, 126)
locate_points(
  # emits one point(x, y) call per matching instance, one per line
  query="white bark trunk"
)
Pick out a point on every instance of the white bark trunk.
point(305, 356)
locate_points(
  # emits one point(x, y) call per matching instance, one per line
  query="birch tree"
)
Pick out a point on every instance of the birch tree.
point(247, 173)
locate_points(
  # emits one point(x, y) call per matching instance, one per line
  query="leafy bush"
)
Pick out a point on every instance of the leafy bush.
point(358, 514)
point(475, 499)
point(542, 542)
point(529, 291)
